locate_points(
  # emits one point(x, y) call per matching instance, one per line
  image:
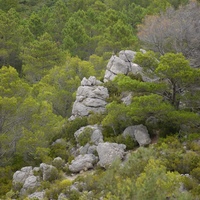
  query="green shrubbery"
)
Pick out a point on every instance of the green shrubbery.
point(85, 136)
point(59, 186)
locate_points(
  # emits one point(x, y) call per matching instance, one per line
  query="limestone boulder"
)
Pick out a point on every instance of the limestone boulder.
point(83, 162)
point(86, 149)
point(19, 177)
point(135, 69)
point(138, 133)
point(91, 81)
point(37, 195)
point(49, 172)
point(127, 55)
point(124, 65)
point(97, 92)
point(96, 133)
point(31, 183)
point(109, 152)
point(115, 66)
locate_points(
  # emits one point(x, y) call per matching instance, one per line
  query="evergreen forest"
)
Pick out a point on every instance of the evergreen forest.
point(48, 46)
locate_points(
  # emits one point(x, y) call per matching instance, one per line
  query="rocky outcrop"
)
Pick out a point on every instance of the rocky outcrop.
point(19, 177)
point(124, 65)
point(127, 55)
point(90, 97)
point(109, 152)
point(121, 65)
point(30, 184)
point(96, 135)
point(83, 163)
point(49, 172)
point(24, 180)
point(92, 136)
point(138, 133)
point(37, 195)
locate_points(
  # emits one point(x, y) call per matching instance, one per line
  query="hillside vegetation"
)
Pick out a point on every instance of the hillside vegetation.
point(48, 46)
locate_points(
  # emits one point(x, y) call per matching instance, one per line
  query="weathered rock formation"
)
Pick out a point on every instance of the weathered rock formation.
point(19, 177)
point(83, 162)
point(90, 97)
point(49, 172)
point(124, 65)
point(24, 180)
point(96, 134)
point(31, 183)
point(121, 65)
point(37, 195)
point(109, 152)
point(138, 133)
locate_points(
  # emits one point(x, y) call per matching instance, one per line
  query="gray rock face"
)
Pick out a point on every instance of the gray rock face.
point(96, 134)
point(26, 179)
point(127, 55)
point(121, 65)
point(91, 81)
point(124, 65)
point(108, 152)
point(90, 97)
point(22, 175)
point(138, 133)
point(37, 195)
point(31, 183)
point(83, 162)
point(94, 139)
point(127, 99)
point(49, 172)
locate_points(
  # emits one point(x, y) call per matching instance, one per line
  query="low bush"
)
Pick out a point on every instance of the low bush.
point(85, 136)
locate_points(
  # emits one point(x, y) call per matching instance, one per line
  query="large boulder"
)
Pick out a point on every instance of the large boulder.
point(109, 152)
point(115, 66)
point(121, 65)
point(49, 172)
point(83, 162)
point(90, 97)
point(31, 183)
point(124, 65)
point(138, 133)
point(37, 195)
point(91, 81)
point(127, 55)
point(19, 177)
point(96, 135)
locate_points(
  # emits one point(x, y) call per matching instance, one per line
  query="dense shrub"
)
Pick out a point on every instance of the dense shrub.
point(85, 136)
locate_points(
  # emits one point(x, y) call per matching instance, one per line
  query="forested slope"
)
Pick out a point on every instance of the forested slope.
point(48, 47)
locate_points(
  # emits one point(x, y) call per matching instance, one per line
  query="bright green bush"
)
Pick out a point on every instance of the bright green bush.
point(59, 186)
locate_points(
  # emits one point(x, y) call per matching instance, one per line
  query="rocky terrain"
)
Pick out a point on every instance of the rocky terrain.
point(91, 97)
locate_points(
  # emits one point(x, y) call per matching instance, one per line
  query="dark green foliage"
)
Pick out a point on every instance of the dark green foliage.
point(120, 139)
point(85, 136)
point(71, 127)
